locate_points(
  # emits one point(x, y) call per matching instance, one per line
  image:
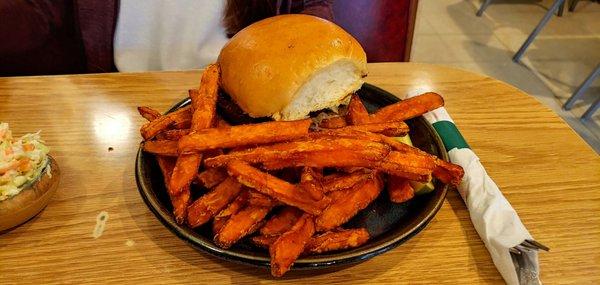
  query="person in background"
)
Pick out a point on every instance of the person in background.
point(39, 37)
point(90, 36)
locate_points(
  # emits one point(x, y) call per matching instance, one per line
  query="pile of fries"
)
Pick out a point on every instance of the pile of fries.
point(288, 186)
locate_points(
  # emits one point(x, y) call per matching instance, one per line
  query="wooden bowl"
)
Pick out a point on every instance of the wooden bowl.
point(31, 200)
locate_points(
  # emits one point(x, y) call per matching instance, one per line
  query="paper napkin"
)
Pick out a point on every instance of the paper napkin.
point(496, 222)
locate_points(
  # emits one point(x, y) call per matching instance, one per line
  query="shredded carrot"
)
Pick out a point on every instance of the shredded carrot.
point(24, 165)
point(28, 147)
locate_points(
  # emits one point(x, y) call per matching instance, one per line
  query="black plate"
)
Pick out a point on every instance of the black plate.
point(389, 224)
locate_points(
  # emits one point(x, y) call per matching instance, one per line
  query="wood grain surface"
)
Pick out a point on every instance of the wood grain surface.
point(551, 177)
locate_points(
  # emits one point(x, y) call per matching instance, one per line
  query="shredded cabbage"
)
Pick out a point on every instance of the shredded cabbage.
point(22, 160)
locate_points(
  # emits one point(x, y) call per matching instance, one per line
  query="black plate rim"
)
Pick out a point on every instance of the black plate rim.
point(336, 259)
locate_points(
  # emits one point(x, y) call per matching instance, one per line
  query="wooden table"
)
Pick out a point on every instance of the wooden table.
point(548, 173)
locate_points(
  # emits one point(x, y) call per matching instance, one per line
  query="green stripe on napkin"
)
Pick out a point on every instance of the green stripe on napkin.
point(450, 135)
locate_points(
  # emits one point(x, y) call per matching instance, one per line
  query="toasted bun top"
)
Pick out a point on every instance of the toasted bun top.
point(265, 65)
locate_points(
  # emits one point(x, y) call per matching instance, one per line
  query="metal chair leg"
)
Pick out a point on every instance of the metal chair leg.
point(484, 6)
point(582, 88)
point(590, 112)
point(537, 30)
point(561, 10)
point(572, 5)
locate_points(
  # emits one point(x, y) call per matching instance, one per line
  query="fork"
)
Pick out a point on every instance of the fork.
point(523, 257)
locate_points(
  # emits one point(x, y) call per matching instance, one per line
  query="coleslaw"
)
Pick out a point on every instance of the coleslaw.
point(22, 160)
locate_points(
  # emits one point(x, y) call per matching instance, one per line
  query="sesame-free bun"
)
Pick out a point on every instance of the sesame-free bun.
point(31, 200)
point(290, 65)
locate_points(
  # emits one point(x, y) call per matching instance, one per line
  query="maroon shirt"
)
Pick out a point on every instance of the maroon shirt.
point(39, 37)
point(76, 36)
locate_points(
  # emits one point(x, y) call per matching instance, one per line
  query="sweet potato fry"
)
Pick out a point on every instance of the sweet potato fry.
point(264, 241)
point(274, 187)
point(310, 181)
point(404, 148)
point(241, 224)
point(209, 86)
point(175, 119)
point(445, 171)
point(336, 195)
point(166, 165)
point(330, 158)
point(344, 208)
point(409, 108)
point(399, 189)
point(333, 122)
point(182, 122)
point(357, 113)
point(358, 134)
point(233, 208)
point(203, 209)
point(336, 240)
point(210, 177)
point(163, 148)
point(281, 222)
point(291, 150)
point(345, 132)
point(243, 135)
point(172, 135)
point(185, 170)
point(448, 172)
point(148, 113)
point(204, 103)
point(392, 129)
point(336, 182)
point(353, 132)
point(325, 242)
point(179, 202)
point(408, 165)
point(257, 199)
point(204, 106)
point(288, 247)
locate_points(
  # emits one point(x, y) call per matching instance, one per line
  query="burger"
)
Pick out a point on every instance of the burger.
point(288, 66)
point(28, 177)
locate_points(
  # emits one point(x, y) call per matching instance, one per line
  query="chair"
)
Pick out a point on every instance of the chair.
point(580, 91)
point(383, 27)
point(558, 6)
point(573, 3)
point(486, 3)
